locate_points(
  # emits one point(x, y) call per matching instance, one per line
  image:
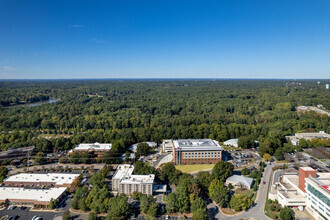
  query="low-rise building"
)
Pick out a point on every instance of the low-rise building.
point(96, 148)
point(30, 197)
point(231, 142)
point(238, 181)
point(167, 146)
point(307, 136)
point(196, 151)
point(306, 189)
point(125, 182)
point(39, 179)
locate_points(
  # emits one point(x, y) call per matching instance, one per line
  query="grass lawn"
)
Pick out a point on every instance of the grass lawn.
point(194, 167)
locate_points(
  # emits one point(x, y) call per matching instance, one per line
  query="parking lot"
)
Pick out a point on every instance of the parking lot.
point(241, 158)
point(26, 214)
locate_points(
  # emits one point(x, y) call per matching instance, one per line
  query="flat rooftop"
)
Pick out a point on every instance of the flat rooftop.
point(313, 135)
point(307, 168)
point(123, 170)
point(134, 179)
point(94, 146)
point(196, 144)
point(124, 174)
point(40, 195)
point(57, 178)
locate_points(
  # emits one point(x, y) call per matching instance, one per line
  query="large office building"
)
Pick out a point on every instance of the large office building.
point(318, 196)
point(39, 180)
point(307, 190)
point(307, 136)
point(96, 148)
point(30, 197)
point(125, 182)
point(196, 151)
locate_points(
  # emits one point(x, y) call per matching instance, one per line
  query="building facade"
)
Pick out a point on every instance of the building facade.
point(318, 196)
point(96, 148)
point(307, 190)
point(196, 151)
point(125, 182)
point(31, 197)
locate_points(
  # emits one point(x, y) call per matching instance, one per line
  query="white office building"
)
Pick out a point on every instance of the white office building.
point(125, 182)
point(318, 196)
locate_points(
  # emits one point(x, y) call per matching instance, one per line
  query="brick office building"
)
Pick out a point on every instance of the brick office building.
point(196, 151)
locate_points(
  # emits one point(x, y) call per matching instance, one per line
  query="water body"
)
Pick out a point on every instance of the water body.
point(49, 101)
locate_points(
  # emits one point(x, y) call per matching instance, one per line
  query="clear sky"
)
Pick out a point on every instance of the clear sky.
point(49, 39)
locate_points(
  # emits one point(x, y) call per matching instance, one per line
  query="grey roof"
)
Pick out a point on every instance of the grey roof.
point(196, 144)
point(231, 142)
point(240, 179)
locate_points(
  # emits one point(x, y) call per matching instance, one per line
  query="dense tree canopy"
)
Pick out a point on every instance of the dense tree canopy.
point(222, 170)
point(127, 112)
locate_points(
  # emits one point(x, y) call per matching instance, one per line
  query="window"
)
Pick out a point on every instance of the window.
point(318, 194)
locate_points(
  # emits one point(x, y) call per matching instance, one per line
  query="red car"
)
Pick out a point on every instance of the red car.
point(264, 182)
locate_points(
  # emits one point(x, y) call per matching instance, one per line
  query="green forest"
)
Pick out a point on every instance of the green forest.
point(130, 111)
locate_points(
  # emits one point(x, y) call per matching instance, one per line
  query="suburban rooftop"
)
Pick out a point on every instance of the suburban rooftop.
point(40, 195)
point(138, 179)
point(57, 178)
point(196, 144)
point(94, 146)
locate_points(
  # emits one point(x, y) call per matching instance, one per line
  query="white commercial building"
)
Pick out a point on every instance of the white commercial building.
point(30, 197)
point(96, 148)
point(231, 142)
point(39, 179)
point(240, 181)
point(308, 189)
point(167, 145)
point(307, 136)
point(125, 182)
point(318, 196)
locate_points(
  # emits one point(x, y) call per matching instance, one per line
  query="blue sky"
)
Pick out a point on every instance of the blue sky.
point(51, 39)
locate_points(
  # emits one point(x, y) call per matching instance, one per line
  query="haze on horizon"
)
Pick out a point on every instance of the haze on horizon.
point(164, 39)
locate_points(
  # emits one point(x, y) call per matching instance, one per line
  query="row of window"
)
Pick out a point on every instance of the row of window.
point(318, 194)
point(202, 155)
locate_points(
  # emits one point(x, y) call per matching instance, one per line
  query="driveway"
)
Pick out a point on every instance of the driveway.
point(257, 211)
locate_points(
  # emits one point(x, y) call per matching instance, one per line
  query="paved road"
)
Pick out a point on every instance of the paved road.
point(257, 211)
point(54, 165)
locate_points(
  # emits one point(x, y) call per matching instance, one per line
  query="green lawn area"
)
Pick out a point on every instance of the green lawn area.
point(194, 168)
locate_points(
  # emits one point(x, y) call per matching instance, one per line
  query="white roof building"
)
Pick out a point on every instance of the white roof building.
point(240, 181)
point(57, 179)
point(33, 196)
point(307, 136)
point(125, 182)
point(231, 142)
point(94, 146)
point(196, 145)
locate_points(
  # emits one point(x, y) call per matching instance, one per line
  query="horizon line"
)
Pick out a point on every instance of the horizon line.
point(155, 78)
